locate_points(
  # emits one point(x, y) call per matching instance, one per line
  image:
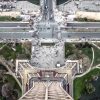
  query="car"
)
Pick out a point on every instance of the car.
point(69, 36)
point(31, 31)
point(46, 7)
point(51, 15)
point(18, 26)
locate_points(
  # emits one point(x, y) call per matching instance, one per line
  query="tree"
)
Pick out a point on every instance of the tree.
point(7, 90)
point(90, 88)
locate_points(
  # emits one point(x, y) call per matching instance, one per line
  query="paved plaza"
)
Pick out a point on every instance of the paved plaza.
point(26, 6)
point(48, 54)
point(72, 6)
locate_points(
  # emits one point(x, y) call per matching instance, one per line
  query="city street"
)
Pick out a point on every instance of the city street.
point(14, 24)
point(48, 10)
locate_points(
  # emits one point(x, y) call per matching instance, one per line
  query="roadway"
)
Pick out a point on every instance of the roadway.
point(14, 27)
point(64, 35)
point(83, 24)
point(48, 10)
point(20, 30)
point(16, 35)
point(14, 24)
point(80, 35)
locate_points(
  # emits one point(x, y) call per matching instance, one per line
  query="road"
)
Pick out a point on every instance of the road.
point(16, 30)
point(15, 35)
point(48, 10)
point(80, 35)
point(14, 24)
point(48, 15)
point(64, 35)
point(83, 24)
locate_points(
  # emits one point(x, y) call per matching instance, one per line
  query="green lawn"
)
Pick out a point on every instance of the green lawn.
point(96, 56)
point(79, 83)
point(8, 18)
point(14, 84)
point(8, 53)
point(87, 51)
point(61, 1)
point(37, 2)
point(1, 44)
point(0, 98)
point(71, 48)
point(86, 20)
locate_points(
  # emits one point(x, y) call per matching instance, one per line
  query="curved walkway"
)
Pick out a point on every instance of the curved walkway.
point(10, 72)
point(89, 67)
point(96, 46)
point(3, 46)
point(94, 67)
point(92, 57)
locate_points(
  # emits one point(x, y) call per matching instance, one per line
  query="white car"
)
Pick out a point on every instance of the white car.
point(31, 31)
point(46, 7)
